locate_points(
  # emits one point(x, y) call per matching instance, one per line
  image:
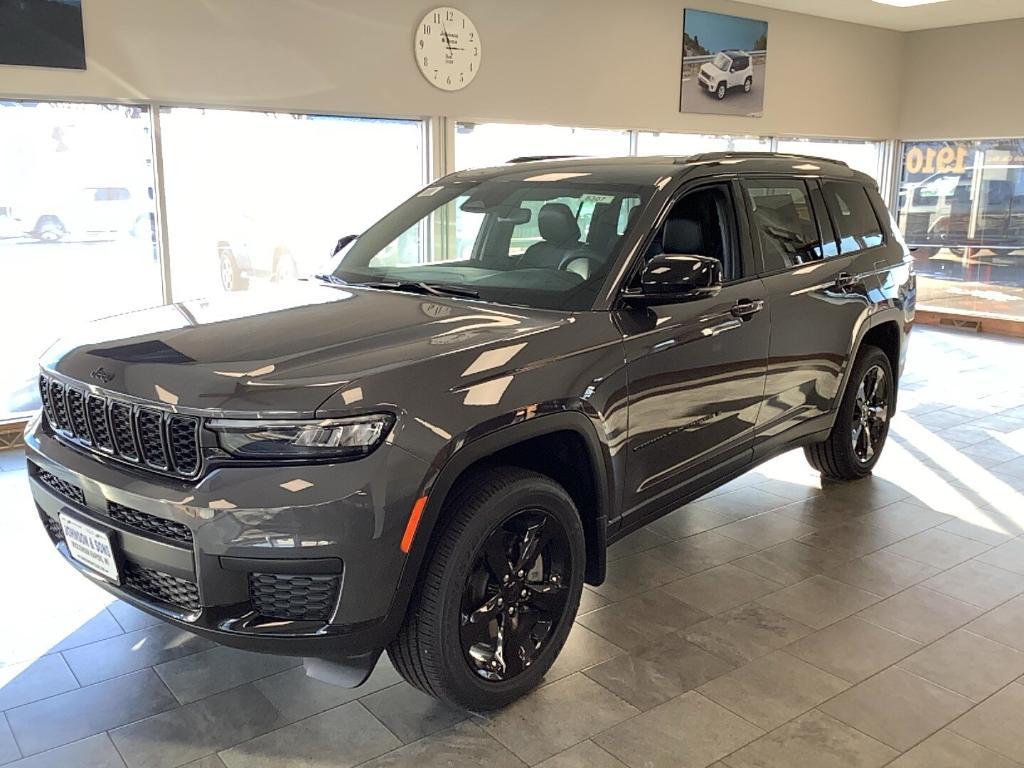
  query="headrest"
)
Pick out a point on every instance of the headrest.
point(683, 236)
point(557, 224)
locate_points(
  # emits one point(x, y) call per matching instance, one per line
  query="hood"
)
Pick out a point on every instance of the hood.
point(277, 352)
point(710, 69)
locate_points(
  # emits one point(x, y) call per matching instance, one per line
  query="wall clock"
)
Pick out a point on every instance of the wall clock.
point(447, 48)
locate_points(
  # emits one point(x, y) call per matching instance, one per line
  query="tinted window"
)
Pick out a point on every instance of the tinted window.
point(853, 215)
point(784, 222)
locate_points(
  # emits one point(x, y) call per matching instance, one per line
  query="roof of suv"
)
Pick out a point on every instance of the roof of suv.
point(648, 169)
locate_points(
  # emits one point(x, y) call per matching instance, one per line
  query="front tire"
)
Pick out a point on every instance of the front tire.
point(498, 594)
point(231, 278)
point(855, 443)
point(720, 91)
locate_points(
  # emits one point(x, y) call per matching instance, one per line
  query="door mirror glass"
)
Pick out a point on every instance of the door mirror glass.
point(676, 277)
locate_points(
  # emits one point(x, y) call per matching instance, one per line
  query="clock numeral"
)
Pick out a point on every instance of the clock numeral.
point(449, 79)
point(462, 77)
point(471, 66)
point(476, 51)
point(437, 18)
point(426, 29)
point(471, 34)
point(449, 15)
point(435, 74)
point(426, 63)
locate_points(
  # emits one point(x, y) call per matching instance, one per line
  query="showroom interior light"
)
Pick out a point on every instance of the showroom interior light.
point(908, 3)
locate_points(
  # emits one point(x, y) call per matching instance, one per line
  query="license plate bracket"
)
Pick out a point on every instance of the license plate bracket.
point(91, 546)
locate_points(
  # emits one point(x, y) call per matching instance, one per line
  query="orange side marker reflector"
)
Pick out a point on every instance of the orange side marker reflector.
point(413, 524)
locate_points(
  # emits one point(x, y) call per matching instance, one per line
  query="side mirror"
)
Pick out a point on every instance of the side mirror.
point(676, 277)
point(342, 242)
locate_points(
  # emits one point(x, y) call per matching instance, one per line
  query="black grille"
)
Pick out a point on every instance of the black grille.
point(53, 529)
point(124, 435)
point(182, 437)
point(61, 487)
point(96, 412)
point(151, 438)
point(166, 442)
point(161, 586)
point(169, 529)
point(76, 413)
point(282, 596)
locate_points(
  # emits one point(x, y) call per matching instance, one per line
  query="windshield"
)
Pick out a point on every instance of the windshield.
point(545, 241)
point(722, 62)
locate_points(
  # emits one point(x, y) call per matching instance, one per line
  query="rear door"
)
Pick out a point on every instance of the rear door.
point(817, 272)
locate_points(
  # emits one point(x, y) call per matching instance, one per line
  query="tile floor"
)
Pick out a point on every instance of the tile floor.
point(776, 623)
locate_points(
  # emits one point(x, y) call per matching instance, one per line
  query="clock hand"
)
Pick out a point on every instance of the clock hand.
point(447, 41)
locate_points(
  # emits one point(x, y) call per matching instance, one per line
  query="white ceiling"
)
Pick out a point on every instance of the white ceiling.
point(950, 13)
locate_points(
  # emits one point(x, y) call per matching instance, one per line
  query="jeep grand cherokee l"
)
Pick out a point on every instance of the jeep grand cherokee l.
point(430, 448)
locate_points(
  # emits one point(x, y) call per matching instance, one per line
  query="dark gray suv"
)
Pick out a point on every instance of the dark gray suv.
point(429, 448)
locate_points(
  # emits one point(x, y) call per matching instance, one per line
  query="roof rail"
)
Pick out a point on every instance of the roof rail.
point(534, 158)
point(708, 156)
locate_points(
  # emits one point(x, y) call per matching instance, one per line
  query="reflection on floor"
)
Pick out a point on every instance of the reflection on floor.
point(774, 623)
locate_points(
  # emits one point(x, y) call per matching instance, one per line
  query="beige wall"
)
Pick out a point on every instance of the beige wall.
point(611, 63)
point(964, 82)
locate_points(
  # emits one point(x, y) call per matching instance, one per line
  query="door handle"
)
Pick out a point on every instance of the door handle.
point(845, 280)
point(745, 308)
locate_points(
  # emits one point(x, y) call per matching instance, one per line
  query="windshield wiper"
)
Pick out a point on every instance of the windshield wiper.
point(430, 289)
point(328, 278)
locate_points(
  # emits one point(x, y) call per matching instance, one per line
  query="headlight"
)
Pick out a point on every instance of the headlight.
point(348, 438)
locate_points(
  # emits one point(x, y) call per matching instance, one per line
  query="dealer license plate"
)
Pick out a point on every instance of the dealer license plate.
point(90, 546)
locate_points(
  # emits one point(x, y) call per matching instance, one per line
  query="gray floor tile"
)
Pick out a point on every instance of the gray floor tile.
point(582, 649)
point(210, 761)
point(205, 673)
point(773, 689)
point(196, 730)
point(947, 750)
point(969, 664)
point(882, 573)
point(88, 711)
point(823, 511)
point(634, 574)
point(687, 732)
point(853, 649)
point(765, 529)
point(818, 601)
point(658, 672)
point(985, 527)
point(586, 754)
point(743, 634)
point(700, 552)
point(740, 503)
point(897, 708)
point(940, 549)
point(920, 614)
point(101, 626)
point(978, 583)
point(340, 737)
point(688, 521)
point(591, 601)
point(94, 752)
point(905, 517)
point(853, 539)
point(411, 714)
point(556, 716)
point(296, 695)
point(996, 723)
point(465, 744)
point(813, 740)
point(1009, 556)
point(8, 746)
point(790, 562)
point(130, 618)
point(638, 620)
point(721, 588)
point(132, 651)
point(30, 681)
point(1004, 624)
point(638, 541)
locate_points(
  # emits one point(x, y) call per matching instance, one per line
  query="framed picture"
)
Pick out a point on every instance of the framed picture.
point(42, 33)
point(724, 63)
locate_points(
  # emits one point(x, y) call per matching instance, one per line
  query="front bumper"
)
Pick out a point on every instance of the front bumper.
point(301, 560)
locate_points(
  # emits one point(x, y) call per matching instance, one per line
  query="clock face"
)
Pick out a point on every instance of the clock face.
point(447, 48)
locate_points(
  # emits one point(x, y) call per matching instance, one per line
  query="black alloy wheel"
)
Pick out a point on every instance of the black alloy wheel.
point(870, 414)
point(515, 595)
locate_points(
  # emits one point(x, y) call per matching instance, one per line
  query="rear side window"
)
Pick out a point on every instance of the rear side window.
point(784, 222)
point(858, 226)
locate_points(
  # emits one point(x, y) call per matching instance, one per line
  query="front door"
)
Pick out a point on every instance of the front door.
point(696, 369)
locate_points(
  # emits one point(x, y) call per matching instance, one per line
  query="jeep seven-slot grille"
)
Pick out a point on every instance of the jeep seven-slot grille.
point(161, 586)
point(169, 529)
point(149, 437)
point(296, 597)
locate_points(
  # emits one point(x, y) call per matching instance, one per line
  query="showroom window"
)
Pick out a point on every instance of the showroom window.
point(652, 143)
point(479, 145)
point(866, 156)
point(76, 216)
point(255, 198)
point(961, 208)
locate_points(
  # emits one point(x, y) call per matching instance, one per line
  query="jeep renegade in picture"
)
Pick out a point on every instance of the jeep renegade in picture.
point(429, 449)
point(729, 69)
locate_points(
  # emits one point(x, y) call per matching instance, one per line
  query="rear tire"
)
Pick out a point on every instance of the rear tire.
point(855, 443)
point(748, 84)
point(462, 606)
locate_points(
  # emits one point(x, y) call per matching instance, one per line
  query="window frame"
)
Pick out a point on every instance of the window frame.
point(755, 236)
point(835, 220)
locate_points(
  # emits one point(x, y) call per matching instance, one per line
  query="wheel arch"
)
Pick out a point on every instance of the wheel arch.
point(883, 330)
